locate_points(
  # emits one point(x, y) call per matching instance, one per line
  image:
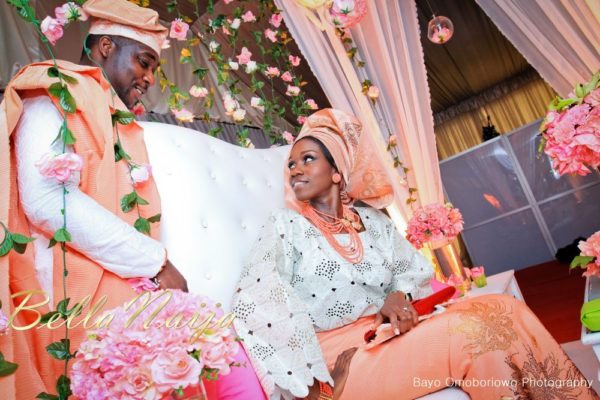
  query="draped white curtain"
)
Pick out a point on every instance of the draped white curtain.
point(559, 38)
point(388, 40)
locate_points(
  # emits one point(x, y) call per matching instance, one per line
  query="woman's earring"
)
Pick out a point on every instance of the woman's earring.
point(336, 178)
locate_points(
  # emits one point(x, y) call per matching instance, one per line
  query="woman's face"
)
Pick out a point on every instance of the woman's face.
point(310, 172)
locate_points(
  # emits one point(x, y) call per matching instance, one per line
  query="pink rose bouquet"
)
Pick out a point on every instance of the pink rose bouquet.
point(571, 130)
point(434, 222)
point(151, 356)
point(589, 258)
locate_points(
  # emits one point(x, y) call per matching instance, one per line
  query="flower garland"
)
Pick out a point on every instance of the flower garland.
point(571, 130)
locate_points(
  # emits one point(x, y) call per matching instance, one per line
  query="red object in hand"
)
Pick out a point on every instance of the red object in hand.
point(422, 306)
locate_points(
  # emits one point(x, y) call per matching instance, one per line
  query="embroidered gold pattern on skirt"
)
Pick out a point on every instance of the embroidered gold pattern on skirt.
point(487, 327)
point(546, 379)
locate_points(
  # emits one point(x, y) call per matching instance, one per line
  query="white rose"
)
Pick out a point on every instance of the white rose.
point(236, 23)
point(233, 65)
point(239, 114)
point(251, 67)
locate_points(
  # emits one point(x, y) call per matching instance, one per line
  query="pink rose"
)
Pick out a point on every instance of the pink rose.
point(286, 77)
point(138, 109)
point(220, 356)
point(179, 29)
point(175, 369)
point(591, 247)
point(69, 12)
point(271, 35)
point(593, 98)
point(292, 91)
point(239, 115)
point(294, 60)
point(248, 16)
point(301, 119)
point(258, 103)
point(592, 270)
point(52, 29)
point(373, 92)
point(138, 384)
point(273, 71)
point(244, 57)
point(198, 91)
point(289, 138)
point(3, 323)
point(275, 20)
point(59, 166)
point(183, 115)
point(477, 272)
point(141, 173)
point(230, 104)
point(142, 285)
point(311, 104)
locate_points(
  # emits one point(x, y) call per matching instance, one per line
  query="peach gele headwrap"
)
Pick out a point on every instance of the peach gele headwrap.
point(354, 155)
point(123, 18)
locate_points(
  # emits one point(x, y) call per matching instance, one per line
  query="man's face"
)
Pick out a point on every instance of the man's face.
point(130, 69)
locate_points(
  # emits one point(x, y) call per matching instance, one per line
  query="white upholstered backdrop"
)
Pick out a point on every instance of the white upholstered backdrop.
point(215, 197)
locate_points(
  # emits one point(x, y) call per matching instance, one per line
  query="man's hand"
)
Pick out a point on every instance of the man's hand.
point(399, 312)
point(171, 278)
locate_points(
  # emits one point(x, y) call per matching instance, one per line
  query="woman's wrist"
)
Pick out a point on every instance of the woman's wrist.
point(325, 391)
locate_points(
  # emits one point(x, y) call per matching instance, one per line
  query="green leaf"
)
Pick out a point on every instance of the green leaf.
point(55, 89)
point(53, 72)
point(62, 306)
point(46, 396)
point(128, 201)
point(6, 367)
point(120, 153)
point(171, 6)
point(6, 245)
point(63, 387)
point(200, 72)
point(122, 117)
point(59, 350)
point(142, 225)
point(581, 261)
point(154, 218)
point(18, 238)
point(66, 135)
point(19, 247)
point(66, 100)
point(62, 235)
point(46, 317)
point(52, 243)
point(214, 132)
point(141, 201)
point(580, 91)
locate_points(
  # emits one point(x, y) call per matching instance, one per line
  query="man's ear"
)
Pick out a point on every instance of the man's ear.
point(105, 46)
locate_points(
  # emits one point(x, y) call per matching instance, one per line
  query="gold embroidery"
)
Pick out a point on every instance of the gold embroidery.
point(487, 327)
point(547, 379)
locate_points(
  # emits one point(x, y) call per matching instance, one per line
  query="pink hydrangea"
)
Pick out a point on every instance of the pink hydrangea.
point(271, 35)
point(4, 325)
point(434, 222)
point(179, 29)
point(286, 77)
point(140, 285)
point(59, 166)
point(289, 137)
point(147, 359)
point(245, 56)
point(273, 71)
point(591, 247)
point(248, 16)
point(275, 20)
point(52, 29)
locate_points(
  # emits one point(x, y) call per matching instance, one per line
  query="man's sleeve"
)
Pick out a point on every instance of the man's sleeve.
point(95, 231)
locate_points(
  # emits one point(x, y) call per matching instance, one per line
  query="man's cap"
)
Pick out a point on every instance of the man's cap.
point(123, 18)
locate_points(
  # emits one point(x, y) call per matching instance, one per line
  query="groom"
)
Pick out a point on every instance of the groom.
point(125, 40)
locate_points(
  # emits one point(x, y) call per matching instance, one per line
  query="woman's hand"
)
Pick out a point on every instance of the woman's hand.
point(171, 278)
point(399, 312)
point(339, 374)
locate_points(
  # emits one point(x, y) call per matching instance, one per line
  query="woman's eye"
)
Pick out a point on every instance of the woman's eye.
point(308, 158)
point(291, 165)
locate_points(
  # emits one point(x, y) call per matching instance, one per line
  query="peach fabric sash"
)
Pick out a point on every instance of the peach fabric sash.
point(102, 179)
point(354, 156)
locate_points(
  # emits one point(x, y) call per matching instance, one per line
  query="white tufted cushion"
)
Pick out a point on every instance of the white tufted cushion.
point(215, 197)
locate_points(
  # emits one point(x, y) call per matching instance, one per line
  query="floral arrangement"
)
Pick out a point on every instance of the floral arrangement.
point(589, 258)
point(434, 222)
point(477, 276)
point(157, 354)
point(571, 130)
point(347, 13)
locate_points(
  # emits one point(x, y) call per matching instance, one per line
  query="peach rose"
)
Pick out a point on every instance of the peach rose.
point(59, 166)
